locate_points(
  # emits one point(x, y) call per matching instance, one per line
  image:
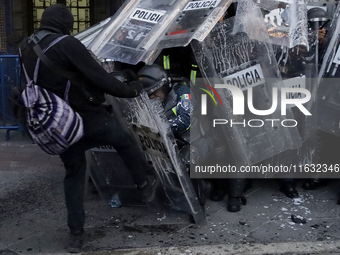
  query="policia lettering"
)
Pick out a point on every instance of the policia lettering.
point(249, 77)
point(201, 5)
point(152, 144)
point(146, 15)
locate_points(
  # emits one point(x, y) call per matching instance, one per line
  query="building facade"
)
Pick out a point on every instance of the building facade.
point(19, 18)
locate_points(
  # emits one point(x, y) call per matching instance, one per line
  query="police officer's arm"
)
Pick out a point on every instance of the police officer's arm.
point(182, 111)
point(93, 73)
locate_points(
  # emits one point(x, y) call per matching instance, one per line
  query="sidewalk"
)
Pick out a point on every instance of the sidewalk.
point(33, 216)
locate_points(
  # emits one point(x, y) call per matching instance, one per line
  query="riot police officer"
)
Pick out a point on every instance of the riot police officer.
point(179, 104)
point(194, 140)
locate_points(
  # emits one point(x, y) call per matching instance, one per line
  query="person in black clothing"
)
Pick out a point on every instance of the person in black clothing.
point(99, 127)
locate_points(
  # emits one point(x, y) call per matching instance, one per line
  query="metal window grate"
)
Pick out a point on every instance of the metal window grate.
point(79, 8)
point(81, 13)
point(2, 27)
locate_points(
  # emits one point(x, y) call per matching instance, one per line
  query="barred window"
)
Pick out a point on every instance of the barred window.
point(2, 27)
point(79, 8)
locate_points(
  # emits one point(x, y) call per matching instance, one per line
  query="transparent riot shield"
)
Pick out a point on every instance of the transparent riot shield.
point(111, 178)
point(195, 21)
point(148, 124)
point(250, 66)
point(140, 27)
point(329, 88)
point(298, 68)
point(86, 36)
point(286, 21)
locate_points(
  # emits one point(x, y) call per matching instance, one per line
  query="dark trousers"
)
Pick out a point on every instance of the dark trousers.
point(99, 129)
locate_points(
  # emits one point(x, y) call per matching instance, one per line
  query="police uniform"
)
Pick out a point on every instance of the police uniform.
point(179, 104)
point(179, 61)
point(178, 107)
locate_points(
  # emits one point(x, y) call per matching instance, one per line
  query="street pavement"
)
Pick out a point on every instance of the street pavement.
point(33, 216)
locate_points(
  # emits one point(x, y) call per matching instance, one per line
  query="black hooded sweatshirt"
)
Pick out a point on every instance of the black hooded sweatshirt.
point(71, 54)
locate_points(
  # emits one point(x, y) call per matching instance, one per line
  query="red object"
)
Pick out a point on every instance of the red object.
point(178, 32)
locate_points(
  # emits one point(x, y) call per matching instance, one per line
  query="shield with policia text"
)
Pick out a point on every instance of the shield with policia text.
point(138, 32)
point(301, 62)
point(86, 36)
point(246, 79)
point(149, 126)
point(141, 28)
point(298, 69)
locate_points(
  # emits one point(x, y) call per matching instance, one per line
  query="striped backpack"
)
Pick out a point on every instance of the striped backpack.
point(51, 122)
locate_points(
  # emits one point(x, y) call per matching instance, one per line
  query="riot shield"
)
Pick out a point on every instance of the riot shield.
point(148, 124)
point(111, 178)
point(86, 36)
point(298, 69)
point(286, 21)
point(141, 27)
point(329, 88)
point(250, 66)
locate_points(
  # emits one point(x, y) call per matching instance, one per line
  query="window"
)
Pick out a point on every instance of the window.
point(2, 27)
point(79, 8)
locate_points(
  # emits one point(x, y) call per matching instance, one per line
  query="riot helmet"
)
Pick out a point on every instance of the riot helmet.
point(153, 77)
point(316, 17)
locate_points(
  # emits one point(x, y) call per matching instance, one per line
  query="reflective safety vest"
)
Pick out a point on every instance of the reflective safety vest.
point(193, 71)
point(166, 62)
point(193, 74)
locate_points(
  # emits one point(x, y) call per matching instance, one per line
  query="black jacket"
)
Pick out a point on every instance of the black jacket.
point(71, 54)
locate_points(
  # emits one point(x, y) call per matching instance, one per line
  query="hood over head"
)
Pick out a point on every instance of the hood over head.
point(57, 18)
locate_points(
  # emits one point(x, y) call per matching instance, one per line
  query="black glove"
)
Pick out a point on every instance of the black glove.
point(137, 86)
point(129, 75)
point(119, 76)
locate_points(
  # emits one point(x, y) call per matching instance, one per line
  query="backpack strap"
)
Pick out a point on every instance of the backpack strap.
point(43, 57)
point(48, 62)
point(59, 70)
point(35, 75)
point(38, 36)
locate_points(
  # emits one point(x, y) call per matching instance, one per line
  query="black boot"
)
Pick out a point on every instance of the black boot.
point(234, 203)
point(77, 242)
point(236, 198)
point(288, 188)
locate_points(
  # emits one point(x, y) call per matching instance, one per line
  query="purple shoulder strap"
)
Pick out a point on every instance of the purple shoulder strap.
point(36, 69)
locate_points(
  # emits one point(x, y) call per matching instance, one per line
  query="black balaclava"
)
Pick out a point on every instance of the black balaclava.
point(57, 18)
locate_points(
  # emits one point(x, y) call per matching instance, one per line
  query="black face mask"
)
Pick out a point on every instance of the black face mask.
point(57, 18)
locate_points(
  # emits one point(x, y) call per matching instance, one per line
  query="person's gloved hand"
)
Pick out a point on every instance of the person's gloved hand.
point(129, 75)
point(137, 86)
point(121, 76)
